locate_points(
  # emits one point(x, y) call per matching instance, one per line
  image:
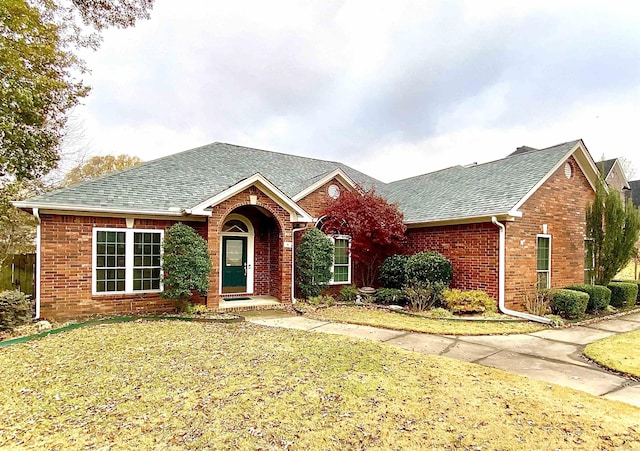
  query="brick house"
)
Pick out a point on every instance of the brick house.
point(506, 225)
point(613, 173)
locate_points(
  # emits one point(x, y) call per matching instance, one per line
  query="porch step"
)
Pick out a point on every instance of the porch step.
point(253, 303)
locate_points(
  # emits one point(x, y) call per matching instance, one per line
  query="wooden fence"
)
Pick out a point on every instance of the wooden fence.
point(19, 273)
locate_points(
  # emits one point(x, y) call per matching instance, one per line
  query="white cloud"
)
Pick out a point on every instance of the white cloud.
point(393, 88)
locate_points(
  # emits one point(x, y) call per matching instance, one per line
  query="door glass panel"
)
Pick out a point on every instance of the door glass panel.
point(234, 253)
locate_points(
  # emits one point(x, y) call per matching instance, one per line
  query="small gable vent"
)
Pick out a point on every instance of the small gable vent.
point(568, 170)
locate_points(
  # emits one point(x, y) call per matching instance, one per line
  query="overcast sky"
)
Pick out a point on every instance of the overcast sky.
point(394, 88)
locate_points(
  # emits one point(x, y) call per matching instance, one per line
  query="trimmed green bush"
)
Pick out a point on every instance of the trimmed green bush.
point(636, 282)
point(15, 309)
point(393, 272)
point(185, 263)
point(429, 267)
point(623, 294)
point(314, 257)
point(348, 293)
point(389, 296)
point(599, 296)
point(569, 304)
point(474, 301)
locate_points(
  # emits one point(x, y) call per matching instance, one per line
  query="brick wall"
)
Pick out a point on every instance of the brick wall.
point(472, 248)
point(317, 201)
point(66, 271)
point(560, 203)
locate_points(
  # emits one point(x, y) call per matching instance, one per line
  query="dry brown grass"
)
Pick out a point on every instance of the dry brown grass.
point(399, 321)
point(619, 352)
point(175, 385)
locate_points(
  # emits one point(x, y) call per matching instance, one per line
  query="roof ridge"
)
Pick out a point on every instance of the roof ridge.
point(273, 151)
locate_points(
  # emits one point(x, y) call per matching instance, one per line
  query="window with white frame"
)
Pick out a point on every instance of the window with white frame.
point(126, 260)
point(341, 259)
point(543, 265)
point(589, 261)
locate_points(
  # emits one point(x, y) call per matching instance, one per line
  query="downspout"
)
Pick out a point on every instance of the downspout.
point(38, 259)
point(501, 280)
point(293, 263)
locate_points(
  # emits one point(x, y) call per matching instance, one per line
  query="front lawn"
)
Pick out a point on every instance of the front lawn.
point(368, 316)
point(169, 384)
point(618, 352)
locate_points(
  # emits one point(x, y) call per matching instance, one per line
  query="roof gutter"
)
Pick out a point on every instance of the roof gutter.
point(36, 213)
point(501, 280)
point(76, 208)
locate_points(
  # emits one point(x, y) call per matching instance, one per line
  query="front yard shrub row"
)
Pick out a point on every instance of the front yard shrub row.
point(417, 279)
point(623, 294)
point(634, 282)
point(569, 304)
point(599, 296)
point(474, 301)
point(15, 309)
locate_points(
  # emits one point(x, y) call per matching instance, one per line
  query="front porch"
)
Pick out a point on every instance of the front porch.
point(248, 303)
point(250, 243)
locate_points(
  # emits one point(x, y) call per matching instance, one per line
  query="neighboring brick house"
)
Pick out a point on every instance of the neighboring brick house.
point(613, 173)
point(505, 225)
point(634, 193)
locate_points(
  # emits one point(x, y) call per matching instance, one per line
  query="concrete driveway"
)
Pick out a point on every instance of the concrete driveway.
point(552, 355)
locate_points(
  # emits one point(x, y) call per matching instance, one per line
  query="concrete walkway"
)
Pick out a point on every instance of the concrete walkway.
point(552, 355)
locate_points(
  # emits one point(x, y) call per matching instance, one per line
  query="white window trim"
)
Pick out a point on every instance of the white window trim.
point(349, 265)
point(128, 272)
point(548, 271)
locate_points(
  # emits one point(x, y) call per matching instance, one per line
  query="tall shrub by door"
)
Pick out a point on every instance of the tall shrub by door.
point(186, 263)
point(314, 258)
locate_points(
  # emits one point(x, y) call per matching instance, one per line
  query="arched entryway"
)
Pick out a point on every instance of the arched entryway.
point(250, 253)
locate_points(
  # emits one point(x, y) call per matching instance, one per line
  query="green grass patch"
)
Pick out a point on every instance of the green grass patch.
point(618, 352)
point(629, 272)
point(186, 385)
point(400, 321)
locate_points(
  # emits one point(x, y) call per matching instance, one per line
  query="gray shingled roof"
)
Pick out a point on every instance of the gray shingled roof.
point(605, 166)
point(480, 190)
point(183, 180)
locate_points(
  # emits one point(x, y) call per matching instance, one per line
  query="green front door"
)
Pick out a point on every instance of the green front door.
point(234, 264)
